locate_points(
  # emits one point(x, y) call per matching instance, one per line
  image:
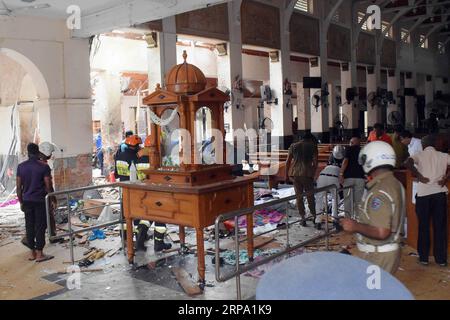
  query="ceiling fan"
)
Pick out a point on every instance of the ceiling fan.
point(6, 11)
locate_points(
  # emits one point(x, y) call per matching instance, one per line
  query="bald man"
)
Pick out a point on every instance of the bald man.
point(352, 174)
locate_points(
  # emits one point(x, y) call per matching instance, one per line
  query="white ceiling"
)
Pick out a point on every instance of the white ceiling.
point(105, 15)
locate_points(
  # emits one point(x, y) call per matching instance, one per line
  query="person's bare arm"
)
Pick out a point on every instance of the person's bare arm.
point(48, 184)
point(409, 164)
point(372, 232)
point(19, 189)
point(288, 167)
point(445, 179)
point(343, 168)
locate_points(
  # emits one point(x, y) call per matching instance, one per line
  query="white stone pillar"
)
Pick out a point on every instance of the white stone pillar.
point(393, 83)
point(348, 81)
point(281, 115)
point(373, 111)
point(229, 70)
point(319, 116)
point(163, 57)
point(429, 94)
point(411, 120)
point(303, 108)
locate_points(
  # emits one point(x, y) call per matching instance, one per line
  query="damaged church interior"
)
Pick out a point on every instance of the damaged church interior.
point(224, 150)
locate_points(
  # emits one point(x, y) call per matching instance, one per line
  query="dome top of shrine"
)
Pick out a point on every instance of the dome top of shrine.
point(185, 78)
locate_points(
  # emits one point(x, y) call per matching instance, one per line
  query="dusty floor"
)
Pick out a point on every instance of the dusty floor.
point(20, 279)
point(116, 279)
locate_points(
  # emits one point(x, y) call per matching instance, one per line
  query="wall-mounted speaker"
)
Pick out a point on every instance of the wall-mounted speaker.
point(221, 49)
point(274, 56)
point(314, 62)
point(410, 92)
point(151, 39)
point(312, 83)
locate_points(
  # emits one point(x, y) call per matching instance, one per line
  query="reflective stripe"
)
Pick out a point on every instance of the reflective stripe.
point(142, 166)
point(123, 168)
point(161, 229)
point(367, 248)
point(145, 223)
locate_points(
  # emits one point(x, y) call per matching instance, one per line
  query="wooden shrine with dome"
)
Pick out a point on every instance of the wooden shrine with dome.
point(186, 94)
point(181, 188)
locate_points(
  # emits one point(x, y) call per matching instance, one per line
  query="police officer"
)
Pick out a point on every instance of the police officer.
point(160, 228)
point(382, 212)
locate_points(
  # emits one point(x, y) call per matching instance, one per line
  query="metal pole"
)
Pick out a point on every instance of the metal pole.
point(327, 240)
point(69, 225)
point(47, 211)
point(287, 225)
point(238, 275)
point(352, 200)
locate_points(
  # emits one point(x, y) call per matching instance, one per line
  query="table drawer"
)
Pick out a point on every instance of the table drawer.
point(154, 204)
point(228, 200)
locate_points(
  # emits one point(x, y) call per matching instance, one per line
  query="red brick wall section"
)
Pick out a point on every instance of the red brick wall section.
point(74, 172)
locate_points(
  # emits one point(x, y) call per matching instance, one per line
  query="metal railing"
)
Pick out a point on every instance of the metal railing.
point(239, 270)
point(70, 232)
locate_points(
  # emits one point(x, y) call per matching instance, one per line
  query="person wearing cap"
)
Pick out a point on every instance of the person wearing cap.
point(430, 167)
point(143, 164)
point(328, 176)
point(34, 182)
point(352, 174)
point(381, 216)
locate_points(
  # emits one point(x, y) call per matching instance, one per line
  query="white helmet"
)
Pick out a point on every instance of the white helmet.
point(377, 154)
point(47, 148)
point(339, 152)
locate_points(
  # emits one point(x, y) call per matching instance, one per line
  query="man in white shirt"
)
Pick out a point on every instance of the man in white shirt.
point(430, 167)
point(414, 145)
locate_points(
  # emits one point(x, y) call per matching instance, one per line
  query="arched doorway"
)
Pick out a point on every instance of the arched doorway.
point(24, 93)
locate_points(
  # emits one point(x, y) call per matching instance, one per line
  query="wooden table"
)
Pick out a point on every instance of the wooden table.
point(196, 207)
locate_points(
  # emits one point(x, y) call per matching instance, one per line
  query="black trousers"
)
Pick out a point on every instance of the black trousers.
point(35, 224)
point(434, 208)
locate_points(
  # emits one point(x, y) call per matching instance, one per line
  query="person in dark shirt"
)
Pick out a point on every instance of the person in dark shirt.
point(125, 159)
point(352, 174)
point(34, 182)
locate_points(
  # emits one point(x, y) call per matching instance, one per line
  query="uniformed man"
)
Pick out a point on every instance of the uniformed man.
point(160, 228)
point(381, 214)
point(124, 160)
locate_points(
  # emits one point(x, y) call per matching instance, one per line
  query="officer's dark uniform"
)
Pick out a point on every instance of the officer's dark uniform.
point(160, 228)
point(383, 206)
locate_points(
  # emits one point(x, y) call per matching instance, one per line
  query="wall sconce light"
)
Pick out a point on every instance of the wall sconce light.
point(274, 56)
point(151, 39)
point(221, 49)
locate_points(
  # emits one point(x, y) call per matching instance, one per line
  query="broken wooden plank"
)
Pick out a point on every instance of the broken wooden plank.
point(83, 240)
point(81, 270)
point(185, 281)
point(114, 252)
point(257, 243)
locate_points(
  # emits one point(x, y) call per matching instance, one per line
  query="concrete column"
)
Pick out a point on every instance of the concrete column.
point(68, 124)
point(373, 111)
point(429, 94)
point(303, 109)
point(411, 120)
point(333, 108)
point(281, 115)
point(229, 70)
point(163, 57)
point(348, 80)
point(319, 117)
point(393, 84)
